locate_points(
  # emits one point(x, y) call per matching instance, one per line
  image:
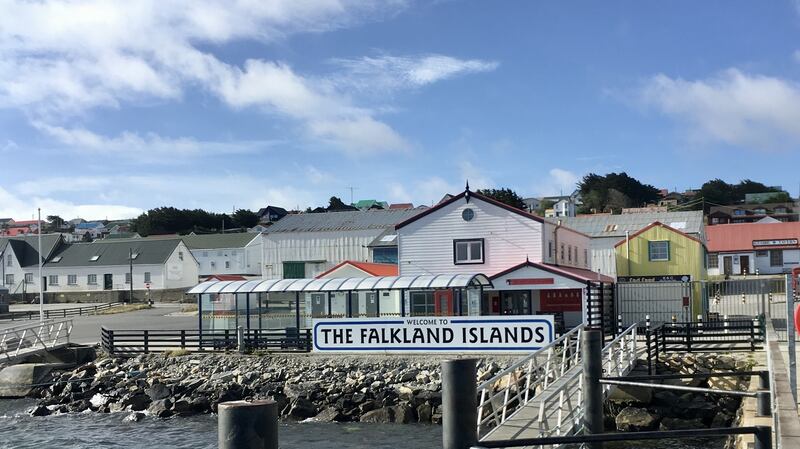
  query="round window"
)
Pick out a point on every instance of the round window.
point(468, 214)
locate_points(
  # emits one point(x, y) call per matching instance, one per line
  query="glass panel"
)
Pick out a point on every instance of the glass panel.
point(299, 285)
point(265, 285)
point(442, 281)
point(386, 282)
point(233, 287)
point(476, 251)
point(422, 281)
point(404, 281)
point(461, 251)
point(351, 284)
point(217, 287)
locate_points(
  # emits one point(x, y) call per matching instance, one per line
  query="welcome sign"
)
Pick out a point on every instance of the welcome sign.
point(434, 334)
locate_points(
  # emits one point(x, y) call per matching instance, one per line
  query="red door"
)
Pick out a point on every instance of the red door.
point(443, 302)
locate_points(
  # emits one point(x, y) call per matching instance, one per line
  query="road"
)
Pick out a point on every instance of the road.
point(86, 329)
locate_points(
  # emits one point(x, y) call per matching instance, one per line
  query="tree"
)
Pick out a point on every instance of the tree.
point(336, 204)
point(543, 206)
point(244, 218)
point(170, 220)
point(504, 195)
point(55, 221)
point(615, 191)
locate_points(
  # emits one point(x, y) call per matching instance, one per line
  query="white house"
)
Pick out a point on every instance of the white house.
point(526, 256)
point(562, 208)
point(19, 271)
point(753, 248)
point(306, 245)
point(113, 264)
point(233, 253)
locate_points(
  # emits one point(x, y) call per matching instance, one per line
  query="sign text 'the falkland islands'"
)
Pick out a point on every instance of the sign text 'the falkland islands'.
point(434, 334)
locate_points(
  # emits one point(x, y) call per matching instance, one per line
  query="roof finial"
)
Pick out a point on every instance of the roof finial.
point(467, 185)
point(467, 192)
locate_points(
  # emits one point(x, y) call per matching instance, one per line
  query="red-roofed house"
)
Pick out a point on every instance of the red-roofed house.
point(749, 248)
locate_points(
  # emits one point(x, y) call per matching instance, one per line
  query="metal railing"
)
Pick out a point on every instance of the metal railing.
point(143, 341)
point(514, 386)
point(58, 313)
point(18, 341)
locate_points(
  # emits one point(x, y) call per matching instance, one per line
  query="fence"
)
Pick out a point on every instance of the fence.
point(125, 341)
point(19, 341)
point(57, 313)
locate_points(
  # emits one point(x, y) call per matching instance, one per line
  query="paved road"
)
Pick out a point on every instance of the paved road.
point(86, 329)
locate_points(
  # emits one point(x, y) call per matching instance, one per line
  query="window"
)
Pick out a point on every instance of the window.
point(384, 255)
point(227, 264)
point(127, 278)
point(52, 279)
point(8, 260)
point(146, 277)
point(233, 252)
point(9, 279)
point(714, 220)
point(760, 211)
point(213, 264)
point(294, 270)
point(713, 260)
point(776, 258)
point(205, 253)
point(180, 255)
point(91, 279)
point(94, 258)
point(29, 278)
point(219, 253)
point(658, 251)
point(585, 257)
point(562, 251)
point(738, 212)
point(550, 249)
point(72, 279)
point(762, 253)
point(569, 253)
point(422, 304)
point(610, 228)
point(467, 251)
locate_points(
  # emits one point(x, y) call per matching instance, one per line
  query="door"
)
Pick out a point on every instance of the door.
point(516, 302)
point(372, 304)
point(318, 304)
point(108, 281)
point(44, 284)
point(727, 265)
point(443, 300)
point(354, 303)
point(744, 263)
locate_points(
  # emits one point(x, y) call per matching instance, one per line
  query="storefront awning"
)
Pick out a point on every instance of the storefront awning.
point(422, 282)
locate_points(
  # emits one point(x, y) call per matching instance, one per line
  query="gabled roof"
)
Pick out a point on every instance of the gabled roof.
point(740, 236)
point(471, 194)
point(26, 247)
point(225, 277)
point(371, 268)
point(114, 252)
point(608, 225)
point(273, 209)
point(387, 238)
point(662, 225)
point(341, 221)
point(576, 274)
point(219, 241)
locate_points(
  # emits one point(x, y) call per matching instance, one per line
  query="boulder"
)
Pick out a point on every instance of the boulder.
point(200, 404)
point(136, 402)
point(409, 375)
point(330, 414)
point(625, 394)
point(632, 419)
point(403, 414)
point(182, 407)
point(160, 408)
point(39, 410)
point(302, 408)
point(721, 420)
point(79, 406)
point(681, 424)
point(381, 415)
point(424, 412)
point(158, 391)
point(134, 417)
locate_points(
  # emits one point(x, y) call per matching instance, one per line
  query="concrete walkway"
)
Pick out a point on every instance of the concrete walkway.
point(54, 306)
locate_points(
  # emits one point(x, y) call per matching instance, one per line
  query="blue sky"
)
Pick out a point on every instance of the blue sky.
point(109, 108)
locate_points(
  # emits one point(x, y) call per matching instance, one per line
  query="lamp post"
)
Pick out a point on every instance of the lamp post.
point(41, 279)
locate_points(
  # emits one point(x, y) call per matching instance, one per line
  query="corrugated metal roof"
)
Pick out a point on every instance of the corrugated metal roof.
point(216, 241)
point(740, 236)
point(606, 225)
point(115, 252)
point(341, 221)
point(385, 238)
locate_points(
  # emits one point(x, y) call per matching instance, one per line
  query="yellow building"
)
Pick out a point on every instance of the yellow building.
point(658, 252)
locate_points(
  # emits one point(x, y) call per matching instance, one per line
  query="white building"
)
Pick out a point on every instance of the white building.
point(606, 230)
point(753, 248)
point(106, 265)
point(19, 272)
point(306, 245)
point(535, 264)
point(562, 208)
point(233, 253)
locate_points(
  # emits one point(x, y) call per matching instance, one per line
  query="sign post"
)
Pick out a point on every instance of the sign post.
point(434, 334)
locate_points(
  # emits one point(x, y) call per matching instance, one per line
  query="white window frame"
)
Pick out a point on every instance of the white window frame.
point(91, 279)
point(72, 279)
point(146, 277)
point(657, 258)
point(9, 280)
point(52, 279)
point(469, 245)
point(128, 278)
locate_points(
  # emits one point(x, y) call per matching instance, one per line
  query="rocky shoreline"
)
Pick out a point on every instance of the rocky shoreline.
point(378, 389)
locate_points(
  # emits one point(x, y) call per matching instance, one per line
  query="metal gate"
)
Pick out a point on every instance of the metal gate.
point(600, 308)
point(661, 301)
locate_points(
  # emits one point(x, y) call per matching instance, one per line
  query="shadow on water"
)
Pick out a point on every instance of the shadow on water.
point(93, 430)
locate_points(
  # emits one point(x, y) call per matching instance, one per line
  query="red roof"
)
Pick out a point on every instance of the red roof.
point(226, 277)
point(13, 232)
point(740, 236)
point(371, 268)
point(653, 224)
point(576, 274)
point(401, 206)
point(25, 222)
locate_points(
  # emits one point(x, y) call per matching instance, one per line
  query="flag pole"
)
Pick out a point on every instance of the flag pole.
point(41, 280)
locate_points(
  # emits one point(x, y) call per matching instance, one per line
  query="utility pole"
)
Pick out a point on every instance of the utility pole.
point(351, 188)
point(41, 280)
point(130, 259)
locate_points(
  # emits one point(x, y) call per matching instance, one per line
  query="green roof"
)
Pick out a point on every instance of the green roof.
point(218, 241)
point(114, 252)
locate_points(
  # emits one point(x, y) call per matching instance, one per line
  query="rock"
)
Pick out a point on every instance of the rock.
point(698, 408)
point(158, 391)
point(409, 375)
point(664, 397)
point(721, 420)
point(182, 407)
point(79, 406)
point(223, 377)
point(632, 419)
point(681, 424)
point(136, 402)
point(403, 414)
point(99, 400)
point(134, 417)
point(200, 404)
point(723, 363)
point(625, 394)
point(330, 414)
point(381, 415)
point(424, 412)
point(160, 408)
point(302, 408)
point(39, 410)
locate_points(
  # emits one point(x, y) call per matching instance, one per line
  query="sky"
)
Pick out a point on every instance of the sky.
point(109, 108)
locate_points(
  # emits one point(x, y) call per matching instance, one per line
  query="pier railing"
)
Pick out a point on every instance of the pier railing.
point(18, 341)
point(143, 341)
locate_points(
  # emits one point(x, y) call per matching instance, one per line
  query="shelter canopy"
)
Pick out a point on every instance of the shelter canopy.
point(470, 280)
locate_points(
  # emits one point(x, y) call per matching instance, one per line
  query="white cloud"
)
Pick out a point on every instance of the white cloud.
point(58, 60)
point(25, 207)
point(148, 148)
point(557, 182)
point(401, 72)
point(733, 107)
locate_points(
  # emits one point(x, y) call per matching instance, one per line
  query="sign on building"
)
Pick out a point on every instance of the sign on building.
point(778, 242)
point(434, 334)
